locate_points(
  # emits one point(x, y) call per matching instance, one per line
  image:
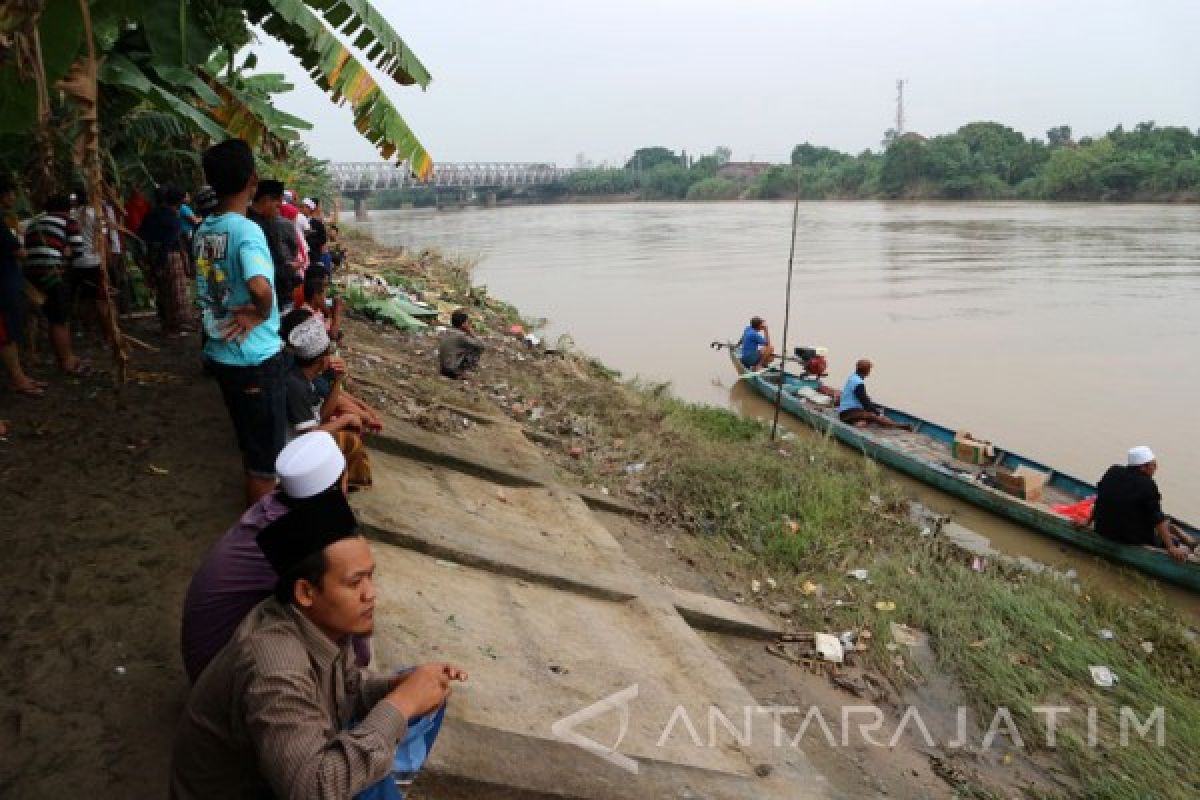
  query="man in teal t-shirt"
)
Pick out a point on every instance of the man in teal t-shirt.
point(234, 283)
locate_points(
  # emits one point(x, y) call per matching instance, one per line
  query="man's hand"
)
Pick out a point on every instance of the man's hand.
point(242, 320)
point(338, 365)
point(1178, 553)
point(348, 421)
point(423, 689)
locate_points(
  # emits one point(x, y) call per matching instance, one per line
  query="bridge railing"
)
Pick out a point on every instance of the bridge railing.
point(374, 176)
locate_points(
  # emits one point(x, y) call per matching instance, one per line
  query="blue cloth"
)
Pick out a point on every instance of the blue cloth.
point(185, 219)
point(752, 341)
point(410, 757)
point(849, 400)
point(230, 250)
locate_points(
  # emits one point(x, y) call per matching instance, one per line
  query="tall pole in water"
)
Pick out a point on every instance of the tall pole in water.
point(787, 313)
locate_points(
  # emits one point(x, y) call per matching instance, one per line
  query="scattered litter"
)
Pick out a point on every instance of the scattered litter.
point(979, 564)
point(604, 491)
point(1064, 636)
point(1103, 677)
point(532, 341)
point(537, 413)
point(575, 452)
point(848, 638)
point(503, 498)
point(736, 506)
point(829, 648)
point(441, 562)
point(926, 531)
point(860, 574)
point(876, 500)
point(119, 670)
point(885, 605)
point(158, 470)
point(1148, 647)
point(634, 469)
point(793, 526)
point(904, 635)
point(755, 586)
point(810, 588)
point(558, 669)
point(1106, 634)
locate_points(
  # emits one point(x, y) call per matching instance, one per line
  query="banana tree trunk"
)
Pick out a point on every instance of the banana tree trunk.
point(80, 86)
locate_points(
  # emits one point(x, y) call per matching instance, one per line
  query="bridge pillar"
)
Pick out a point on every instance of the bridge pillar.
point(360, 207)
point(489, 200)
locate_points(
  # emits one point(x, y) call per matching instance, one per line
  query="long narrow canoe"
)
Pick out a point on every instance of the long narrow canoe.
point(925, 454)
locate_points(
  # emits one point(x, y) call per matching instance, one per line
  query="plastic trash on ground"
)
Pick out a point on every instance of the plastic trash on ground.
point(829, 648)
point(860, 574)
point(1103, 677)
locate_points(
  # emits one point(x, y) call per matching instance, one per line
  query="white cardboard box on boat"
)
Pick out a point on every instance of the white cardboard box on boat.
point(1023, 482)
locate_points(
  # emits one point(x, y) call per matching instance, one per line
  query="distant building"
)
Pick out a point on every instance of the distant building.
point(743, 170)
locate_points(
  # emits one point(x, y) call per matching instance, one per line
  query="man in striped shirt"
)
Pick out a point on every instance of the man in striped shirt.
point(51, 241)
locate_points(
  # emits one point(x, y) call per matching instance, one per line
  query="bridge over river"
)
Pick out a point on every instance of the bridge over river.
point(358, 180)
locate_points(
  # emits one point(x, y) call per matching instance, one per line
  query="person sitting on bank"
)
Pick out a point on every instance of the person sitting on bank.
point(856, 408)
point(1128, 507)
point(316, 300)
point(235, 575)
point(756, 348)
point(308, 410)
point(281, 711)
point(459, 348)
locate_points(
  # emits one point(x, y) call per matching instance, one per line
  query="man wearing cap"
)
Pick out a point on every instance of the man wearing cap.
point(1128, 507)
point(235, 575)
point(308, 410)
point(281, 711)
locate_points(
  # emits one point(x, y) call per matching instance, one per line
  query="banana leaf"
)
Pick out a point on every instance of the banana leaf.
point(336, 70)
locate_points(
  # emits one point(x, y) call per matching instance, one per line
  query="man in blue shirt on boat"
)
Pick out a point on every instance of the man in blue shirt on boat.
point(755, 344)
point(856, 407)
point(1128, 507)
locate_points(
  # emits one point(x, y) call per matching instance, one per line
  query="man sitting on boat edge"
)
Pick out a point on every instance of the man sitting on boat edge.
point(756, 349)
point(1128, 507)
point(856, 408)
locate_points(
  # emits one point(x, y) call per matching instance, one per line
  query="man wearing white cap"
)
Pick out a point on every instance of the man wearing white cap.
point(1128, 507)
point(308, 410)
point(235, 576)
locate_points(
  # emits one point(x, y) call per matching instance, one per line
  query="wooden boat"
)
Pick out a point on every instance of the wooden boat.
point(926, 454)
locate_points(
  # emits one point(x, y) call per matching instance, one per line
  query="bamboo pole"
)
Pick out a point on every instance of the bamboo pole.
point(787, 314)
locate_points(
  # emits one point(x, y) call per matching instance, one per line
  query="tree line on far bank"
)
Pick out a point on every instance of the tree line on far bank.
point(979, 161)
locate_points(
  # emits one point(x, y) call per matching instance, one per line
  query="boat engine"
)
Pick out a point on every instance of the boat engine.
point(813, 360)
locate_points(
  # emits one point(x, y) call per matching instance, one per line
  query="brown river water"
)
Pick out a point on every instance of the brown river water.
point(1068, 333)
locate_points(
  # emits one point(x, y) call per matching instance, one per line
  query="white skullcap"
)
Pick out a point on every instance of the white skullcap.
point(310, 204)
point(309, 339)
point(309, 465)
point(1140, 456)
point(288, 195)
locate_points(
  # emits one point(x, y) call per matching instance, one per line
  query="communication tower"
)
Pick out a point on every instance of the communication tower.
point(900, 107)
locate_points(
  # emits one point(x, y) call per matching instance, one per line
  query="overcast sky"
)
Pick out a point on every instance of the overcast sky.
point(520, 80)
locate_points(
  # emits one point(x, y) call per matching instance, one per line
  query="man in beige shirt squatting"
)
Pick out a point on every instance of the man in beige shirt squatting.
point(270, 716)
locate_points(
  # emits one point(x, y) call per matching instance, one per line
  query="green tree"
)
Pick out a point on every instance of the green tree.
point(647, 158)
point(665, 181)
point(1059, 136)
point(904, 165)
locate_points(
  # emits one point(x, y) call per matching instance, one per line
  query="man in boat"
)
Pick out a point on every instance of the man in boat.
point(856, 408)
point(755, 344)
point(1128, 507)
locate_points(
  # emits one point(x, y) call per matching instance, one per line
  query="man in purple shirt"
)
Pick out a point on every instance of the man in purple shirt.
point(235, 575)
